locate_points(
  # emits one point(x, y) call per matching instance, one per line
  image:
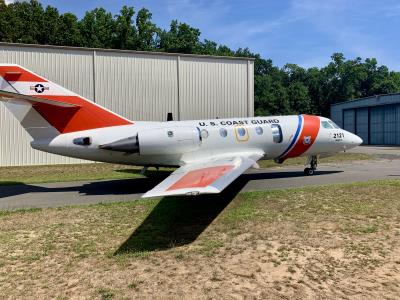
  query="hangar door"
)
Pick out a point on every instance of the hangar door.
point(385, 125)
point(362, 124)
point(349, 120)
point(378, 125)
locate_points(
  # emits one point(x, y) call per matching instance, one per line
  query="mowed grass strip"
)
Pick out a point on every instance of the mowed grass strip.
point(99, 171)
point(337, 158)
point(65, 173)
point(311, 242)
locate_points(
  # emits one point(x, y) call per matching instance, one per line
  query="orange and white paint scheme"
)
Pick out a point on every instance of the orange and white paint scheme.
point(209, 154)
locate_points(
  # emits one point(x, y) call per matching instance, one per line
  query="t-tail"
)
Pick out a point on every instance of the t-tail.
point(46, 109)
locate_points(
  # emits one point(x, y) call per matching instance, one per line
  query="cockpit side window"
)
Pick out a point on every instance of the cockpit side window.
point(326, 125)
point(277, 135)
point(334, 125)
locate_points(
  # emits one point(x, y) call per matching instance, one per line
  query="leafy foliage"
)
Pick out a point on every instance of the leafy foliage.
point(291, 89)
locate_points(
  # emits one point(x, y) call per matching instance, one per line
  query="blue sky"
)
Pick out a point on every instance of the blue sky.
point(305, 32)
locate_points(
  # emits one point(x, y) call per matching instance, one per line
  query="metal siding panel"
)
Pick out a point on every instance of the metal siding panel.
point(67, 68)
point(376, 125)
point(362, 124)
point(251, 89)
point(140, 87)
point(213, 88)
point(349, 117)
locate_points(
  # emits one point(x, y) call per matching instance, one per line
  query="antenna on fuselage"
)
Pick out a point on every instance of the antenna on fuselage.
point(170, 117)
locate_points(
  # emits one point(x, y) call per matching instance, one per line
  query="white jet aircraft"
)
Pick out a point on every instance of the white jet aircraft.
point(209, 154)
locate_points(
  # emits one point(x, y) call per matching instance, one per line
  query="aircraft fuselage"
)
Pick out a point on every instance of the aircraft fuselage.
point(175, 143)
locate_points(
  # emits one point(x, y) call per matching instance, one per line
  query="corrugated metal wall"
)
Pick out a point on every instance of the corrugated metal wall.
point(137, 85)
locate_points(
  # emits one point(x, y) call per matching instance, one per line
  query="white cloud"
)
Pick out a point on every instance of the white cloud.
point(13, 1)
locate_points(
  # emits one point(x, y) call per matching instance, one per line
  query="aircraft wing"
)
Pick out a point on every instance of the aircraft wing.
point(204, 177)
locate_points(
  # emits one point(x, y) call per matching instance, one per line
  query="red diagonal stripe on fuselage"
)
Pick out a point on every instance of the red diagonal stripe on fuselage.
point(309, 133)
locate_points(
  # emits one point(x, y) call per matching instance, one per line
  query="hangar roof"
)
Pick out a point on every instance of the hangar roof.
point(381, 99)
point(127, 51)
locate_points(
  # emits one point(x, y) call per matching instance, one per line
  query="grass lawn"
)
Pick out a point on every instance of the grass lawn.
point(337, 241)
point(338, 158)
point(98, 171)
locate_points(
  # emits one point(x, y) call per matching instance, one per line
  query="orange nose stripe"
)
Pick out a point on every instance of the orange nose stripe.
point(307, 137)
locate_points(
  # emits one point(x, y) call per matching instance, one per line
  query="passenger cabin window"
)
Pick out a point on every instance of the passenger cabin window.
point(259, 130)
point(241, 131)
point(326, 125)
point(276, 133)
point(204, 134)
point(223, 132)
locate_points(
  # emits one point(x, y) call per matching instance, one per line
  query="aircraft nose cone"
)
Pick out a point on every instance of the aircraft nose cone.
point(358, 140)
point(354, 140)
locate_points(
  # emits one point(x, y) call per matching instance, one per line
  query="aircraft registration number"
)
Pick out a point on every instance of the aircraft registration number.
point(338, 135)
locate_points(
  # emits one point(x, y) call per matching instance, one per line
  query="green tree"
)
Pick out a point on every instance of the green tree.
point(97, 29)
point(299, 98)
point(181, 38)
point(147, 31)
point(25, 21)
point(51, 27)
point(69, 31)
point(5, 27)
point(125, 31)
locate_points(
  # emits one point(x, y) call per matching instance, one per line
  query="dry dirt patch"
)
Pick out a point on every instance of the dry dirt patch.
point(337, 241)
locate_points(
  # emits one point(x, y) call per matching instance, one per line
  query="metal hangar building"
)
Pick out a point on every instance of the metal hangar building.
point(137, 85)
point(375, 119)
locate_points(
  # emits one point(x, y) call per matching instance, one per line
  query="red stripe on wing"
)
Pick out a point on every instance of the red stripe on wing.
point(14, 73)
point(307, 137)
point(200, 178)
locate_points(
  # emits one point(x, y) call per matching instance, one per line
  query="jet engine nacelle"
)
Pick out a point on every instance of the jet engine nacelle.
point(169, 140)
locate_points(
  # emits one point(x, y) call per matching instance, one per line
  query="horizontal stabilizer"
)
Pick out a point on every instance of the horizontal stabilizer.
point(6, 96)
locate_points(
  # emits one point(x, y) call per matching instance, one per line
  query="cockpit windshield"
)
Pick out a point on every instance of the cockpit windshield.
point(334, 125)
point(326, 125)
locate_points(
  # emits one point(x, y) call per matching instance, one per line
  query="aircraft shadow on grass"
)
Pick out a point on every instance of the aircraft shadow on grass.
point(174, 221)
point(128, 186)
point(177, 221)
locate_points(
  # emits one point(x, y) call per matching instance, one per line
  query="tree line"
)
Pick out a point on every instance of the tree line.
point(287, 90)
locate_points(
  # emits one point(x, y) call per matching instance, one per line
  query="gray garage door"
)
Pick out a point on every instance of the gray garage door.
point(390, 125)
point(385, 125)
point(362, 122)
point(377, 125)
point(398, 124)
point(349, 120)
